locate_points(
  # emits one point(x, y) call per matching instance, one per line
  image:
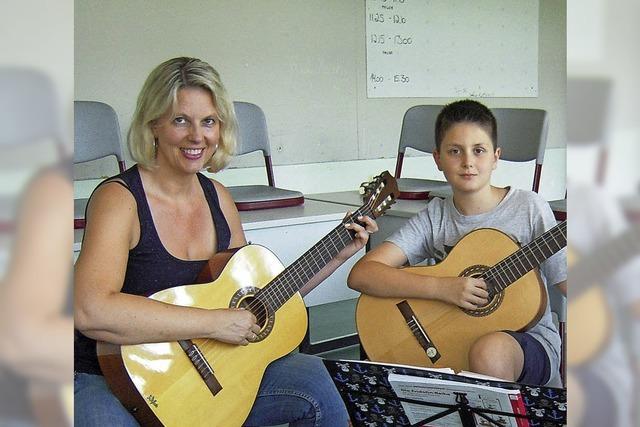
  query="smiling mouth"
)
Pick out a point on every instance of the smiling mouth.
point(192, 151)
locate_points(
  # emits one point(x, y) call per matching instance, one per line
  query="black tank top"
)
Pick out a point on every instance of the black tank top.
point(150, 267)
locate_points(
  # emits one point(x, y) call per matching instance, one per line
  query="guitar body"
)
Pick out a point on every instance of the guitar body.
point(589, 336)
point(387, 337)
point(166, 380)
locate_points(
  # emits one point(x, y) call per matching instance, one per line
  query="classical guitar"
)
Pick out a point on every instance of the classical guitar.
point(588, 302)
point(207, 382)
point(432, 333)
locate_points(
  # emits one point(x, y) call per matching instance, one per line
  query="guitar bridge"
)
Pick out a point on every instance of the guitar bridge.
point(418, 331)
point(202, 366)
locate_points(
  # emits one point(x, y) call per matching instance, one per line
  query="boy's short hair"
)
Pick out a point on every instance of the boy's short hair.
point(159, 95)
point(469, 111)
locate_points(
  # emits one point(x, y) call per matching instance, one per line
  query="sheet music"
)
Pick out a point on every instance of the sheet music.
point(443, 391)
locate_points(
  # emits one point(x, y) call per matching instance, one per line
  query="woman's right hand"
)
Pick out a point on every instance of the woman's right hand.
point(235, 326)
point(465, 292)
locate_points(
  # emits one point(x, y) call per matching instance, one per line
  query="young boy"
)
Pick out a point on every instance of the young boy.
point(467, 153)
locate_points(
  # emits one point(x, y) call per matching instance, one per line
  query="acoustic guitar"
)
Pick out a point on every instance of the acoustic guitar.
point(208, 382)
point(433, 333)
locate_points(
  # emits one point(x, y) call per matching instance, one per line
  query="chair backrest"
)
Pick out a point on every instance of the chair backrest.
point(418, 128)
point(522, 134)
point(29, 107)
point(417, 131)
point(97, 133)
point(252, 134)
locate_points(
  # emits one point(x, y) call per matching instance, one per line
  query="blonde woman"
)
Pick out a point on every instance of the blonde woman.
point(155, 226)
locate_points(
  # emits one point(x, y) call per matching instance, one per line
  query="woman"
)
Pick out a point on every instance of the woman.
point(154, 227)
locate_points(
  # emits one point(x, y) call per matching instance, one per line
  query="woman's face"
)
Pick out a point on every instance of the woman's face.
point(188, 135)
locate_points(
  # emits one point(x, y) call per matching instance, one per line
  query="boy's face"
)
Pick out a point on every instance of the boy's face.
point(466, 157)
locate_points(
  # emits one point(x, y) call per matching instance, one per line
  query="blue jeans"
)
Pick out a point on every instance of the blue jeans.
point(295, 389)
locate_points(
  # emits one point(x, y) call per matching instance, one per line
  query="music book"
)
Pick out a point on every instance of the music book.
point(441, 391)
point(367, 389)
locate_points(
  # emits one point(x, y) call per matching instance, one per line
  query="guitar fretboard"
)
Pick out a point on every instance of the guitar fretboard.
point(526, 258)
point(294, 277)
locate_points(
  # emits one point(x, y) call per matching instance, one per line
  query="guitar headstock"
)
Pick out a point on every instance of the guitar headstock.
point(380, 193)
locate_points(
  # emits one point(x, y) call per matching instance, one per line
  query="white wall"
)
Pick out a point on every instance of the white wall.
point(304, 63)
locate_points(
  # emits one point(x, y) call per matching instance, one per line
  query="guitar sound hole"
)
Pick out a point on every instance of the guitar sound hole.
point(245, 298)
point(490, 291)
point(495, 299)
point(257, 308)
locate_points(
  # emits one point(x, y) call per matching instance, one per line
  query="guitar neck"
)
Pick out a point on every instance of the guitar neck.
point(527, 258)
point(301, 271)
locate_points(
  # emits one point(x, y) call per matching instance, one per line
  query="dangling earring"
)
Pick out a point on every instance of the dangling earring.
point(155, 147)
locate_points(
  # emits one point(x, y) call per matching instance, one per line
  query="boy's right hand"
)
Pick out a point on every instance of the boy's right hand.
point(465, 292)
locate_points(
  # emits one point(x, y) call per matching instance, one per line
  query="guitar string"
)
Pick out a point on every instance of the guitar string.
point(543, 252)
point(510, 263)
point(207, 344)
point(286, 278)
point(339, 232)
point(501, 268)
point(289, 272)
point(504, 267)
point(272, 293)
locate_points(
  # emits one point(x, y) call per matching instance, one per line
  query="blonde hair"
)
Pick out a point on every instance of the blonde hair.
point(159, 94)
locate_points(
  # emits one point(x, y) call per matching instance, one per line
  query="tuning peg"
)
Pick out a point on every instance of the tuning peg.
point(366, 187)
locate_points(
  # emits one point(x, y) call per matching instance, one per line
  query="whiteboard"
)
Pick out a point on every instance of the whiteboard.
point(452, 48)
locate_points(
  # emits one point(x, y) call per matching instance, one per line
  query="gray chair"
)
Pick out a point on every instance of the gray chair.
point(253, 136)
point(418, 132)
point(522, 136)
point(29, 107)
point(97, 136)
point(559, 208)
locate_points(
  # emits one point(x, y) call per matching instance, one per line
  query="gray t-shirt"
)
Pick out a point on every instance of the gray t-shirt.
point(522, 215)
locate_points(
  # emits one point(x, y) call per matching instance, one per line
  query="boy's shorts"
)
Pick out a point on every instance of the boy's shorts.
point(537, 367)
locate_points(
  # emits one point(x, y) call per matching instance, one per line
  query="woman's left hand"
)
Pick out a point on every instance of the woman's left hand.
point(361, 235)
